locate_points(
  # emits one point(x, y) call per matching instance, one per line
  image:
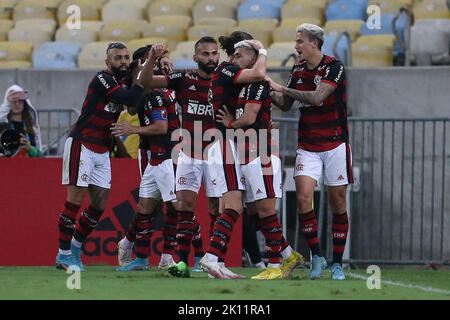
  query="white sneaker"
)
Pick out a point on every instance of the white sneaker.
point(230, 274)
point(123, 253)
point(260, 265)
point(165, 262)
point(213, 268)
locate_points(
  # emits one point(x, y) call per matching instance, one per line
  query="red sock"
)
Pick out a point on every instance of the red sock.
point(170, 232)
point(66, 222)
point(87, 223)
point(197, 241)
point(212, 221)
point(144, 232)
point(271, 228)
point(185, 231)
point(340, 231)
point(308, 225)
point(222, 232)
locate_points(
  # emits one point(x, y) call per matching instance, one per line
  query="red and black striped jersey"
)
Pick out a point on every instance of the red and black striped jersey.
point(156, 107)
point(251, 146)
point(324, 127)
point(191, 92)
point(224, 90)
point(101, 108)
point(172, 114)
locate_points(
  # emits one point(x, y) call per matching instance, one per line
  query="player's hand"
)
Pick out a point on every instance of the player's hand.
point(158, 50)
point(224, 116)
point(275, 86)
point(166, 65)
point(122, 128)
point(256, 44)
point(24, 142)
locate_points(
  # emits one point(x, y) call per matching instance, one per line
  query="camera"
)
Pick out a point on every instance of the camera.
point(9, 139)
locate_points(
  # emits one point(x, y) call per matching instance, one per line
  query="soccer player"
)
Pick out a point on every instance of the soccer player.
point(261, 170)
point(86, 163)
point(157, 180)
point(192, 89)
point(318, 83)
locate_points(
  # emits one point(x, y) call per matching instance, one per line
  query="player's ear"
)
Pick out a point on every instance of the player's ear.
point(195, 58)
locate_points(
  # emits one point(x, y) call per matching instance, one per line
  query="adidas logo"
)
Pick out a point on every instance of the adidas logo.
point(171, 193)
point(192, 88)
point(341, 177)
point(299, 81)
point(258, 191)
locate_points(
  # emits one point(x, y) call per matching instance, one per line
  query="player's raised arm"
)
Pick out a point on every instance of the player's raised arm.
point(146, 77)
point(258, 71)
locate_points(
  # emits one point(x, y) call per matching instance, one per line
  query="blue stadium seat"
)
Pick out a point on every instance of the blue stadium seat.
point(342, 47)
point(184, 64)
point(56, 55)
point(345, 9)
point(258, 11)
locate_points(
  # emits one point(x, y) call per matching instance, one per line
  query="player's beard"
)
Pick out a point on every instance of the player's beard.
point(207, 68)
point(121, 73)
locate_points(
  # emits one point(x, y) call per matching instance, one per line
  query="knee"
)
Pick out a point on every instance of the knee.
point(304, 200)
point(184, 205)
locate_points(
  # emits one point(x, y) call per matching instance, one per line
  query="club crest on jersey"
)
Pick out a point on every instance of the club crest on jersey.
point(317, 79)
point(164, 114)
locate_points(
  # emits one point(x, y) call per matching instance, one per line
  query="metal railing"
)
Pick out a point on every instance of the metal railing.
point(399, 210)
point(55, 125)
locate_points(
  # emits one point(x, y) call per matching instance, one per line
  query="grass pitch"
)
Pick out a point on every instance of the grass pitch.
point(103, 282)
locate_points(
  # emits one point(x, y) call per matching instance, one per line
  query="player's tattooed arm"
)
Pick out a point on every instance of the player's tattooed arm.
point(314, 98)
point(283, 102)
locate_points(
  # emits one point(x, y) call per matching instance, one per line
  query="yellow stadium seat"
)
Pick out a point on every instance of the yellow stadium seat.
point(279, 52)
point(15, 51)
point(167, 8)
point(198, 31)
point(212, 9)
point(265, 36)
point(431, 10)
point(173, 34)
point(267, 24)
point(386, 40)
point(48, 25)
point(322, 4)
point(140, 3)
point(32, 11)
point(227, 22)
point(368, 55)
point(50, 4)
point(36, 36)
point(298, 10)
point(5, 26)
point(295, 22)
point(83, 35)
point(135, 44)
point(7, 8)
point(122, 31)
point(93, 55)
point(389, 6)
point(186, 3)
point(98, 4)
point(15, 64)
point(115, 11)
point(334, 27)
point(181, 21)
point(284, 34)
point(183, 51)
point(88, 11)
point(92, 25)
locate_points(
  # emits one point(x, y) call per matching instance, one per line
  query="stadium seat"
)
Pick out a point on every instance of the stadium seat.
point(122, 31)
point(98, 4)
point(15, 51)
point(89, 11)
point(167, 8)
point(389, 6)
point(7, 8)
point(373, 51)
point(140, 3)
point(115, 11)
point(386, 25)
point(135, 44)
point(184, 51)
point(50, 4)
point(187, 64)
point(265, 36)
point(36, 36)
point(378, 39)
point(341, 9)
point(322, 4)
point(431, 10)
point(280, 52)
point(298, 10)
point(5, 26)
point(56, 55)
point(285, 34)
point(93, 55)
point(228, 22)
point(82, 36)
point(173, 34)
point(15, 64)
point(341, 48)
point(92, 25)
point(269, 24)
point(295, 22)
point(198, 31)
point(353, 27)
point(274, 3)
point(180, 21)
point(212, 9)
point(48, 25)
point(252, 10)
point(32, 11)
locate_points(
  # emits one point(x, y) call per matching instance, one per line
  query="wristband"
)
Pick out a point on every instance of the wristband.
point(263, 52)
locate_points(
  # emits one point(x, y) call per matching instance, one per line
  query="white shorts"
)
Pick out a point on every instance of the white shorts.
point(227, 176)
point(158, 182)
point(83, 167)
point(190, 174)
point(262, 185)
point(336, 165)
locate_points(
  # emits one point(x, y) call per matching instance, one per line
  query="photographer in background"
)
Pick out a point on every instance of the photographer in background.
point(22, 117)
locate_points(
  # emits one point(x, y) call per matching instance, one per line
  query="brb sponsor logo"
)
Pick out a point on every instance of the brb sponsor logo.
point(199, 109)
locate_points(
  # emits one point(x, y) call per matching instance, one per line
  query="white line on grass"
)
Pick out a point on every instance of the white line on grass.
point(401, 284)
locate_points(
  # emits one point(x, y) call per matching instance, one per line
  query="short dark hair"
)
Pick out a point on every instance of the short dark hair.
point(227, 43)
point(115, 45)
point(141, 52)
point(206, 39)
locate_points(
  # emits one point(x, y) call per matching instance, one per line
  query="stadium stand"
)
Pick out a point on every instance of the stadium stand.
point(48, 25)
point(166, 8)
point(373, 51)
point(280, 52)
point(227, 22)
point(122, 31)
point(135, 44)
point(15, 54)
point(198, 31)
point(255, 10)
point(5, 26)
point(56, 55)
point(89, 10)
point(7, 8)
point(92, 56)
point(298, 10)
point(353, 27)
point(32, 10)
point(82, 36)
point(342, 9)
point(173, 34)
point(119, 10)
point(179, 21)
point(342, 48)
point(35, 36)
point(212, 9)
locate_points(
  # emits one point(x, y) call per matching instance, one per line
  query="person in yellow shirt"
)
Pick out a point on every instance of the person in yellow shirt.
point(131, 142)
